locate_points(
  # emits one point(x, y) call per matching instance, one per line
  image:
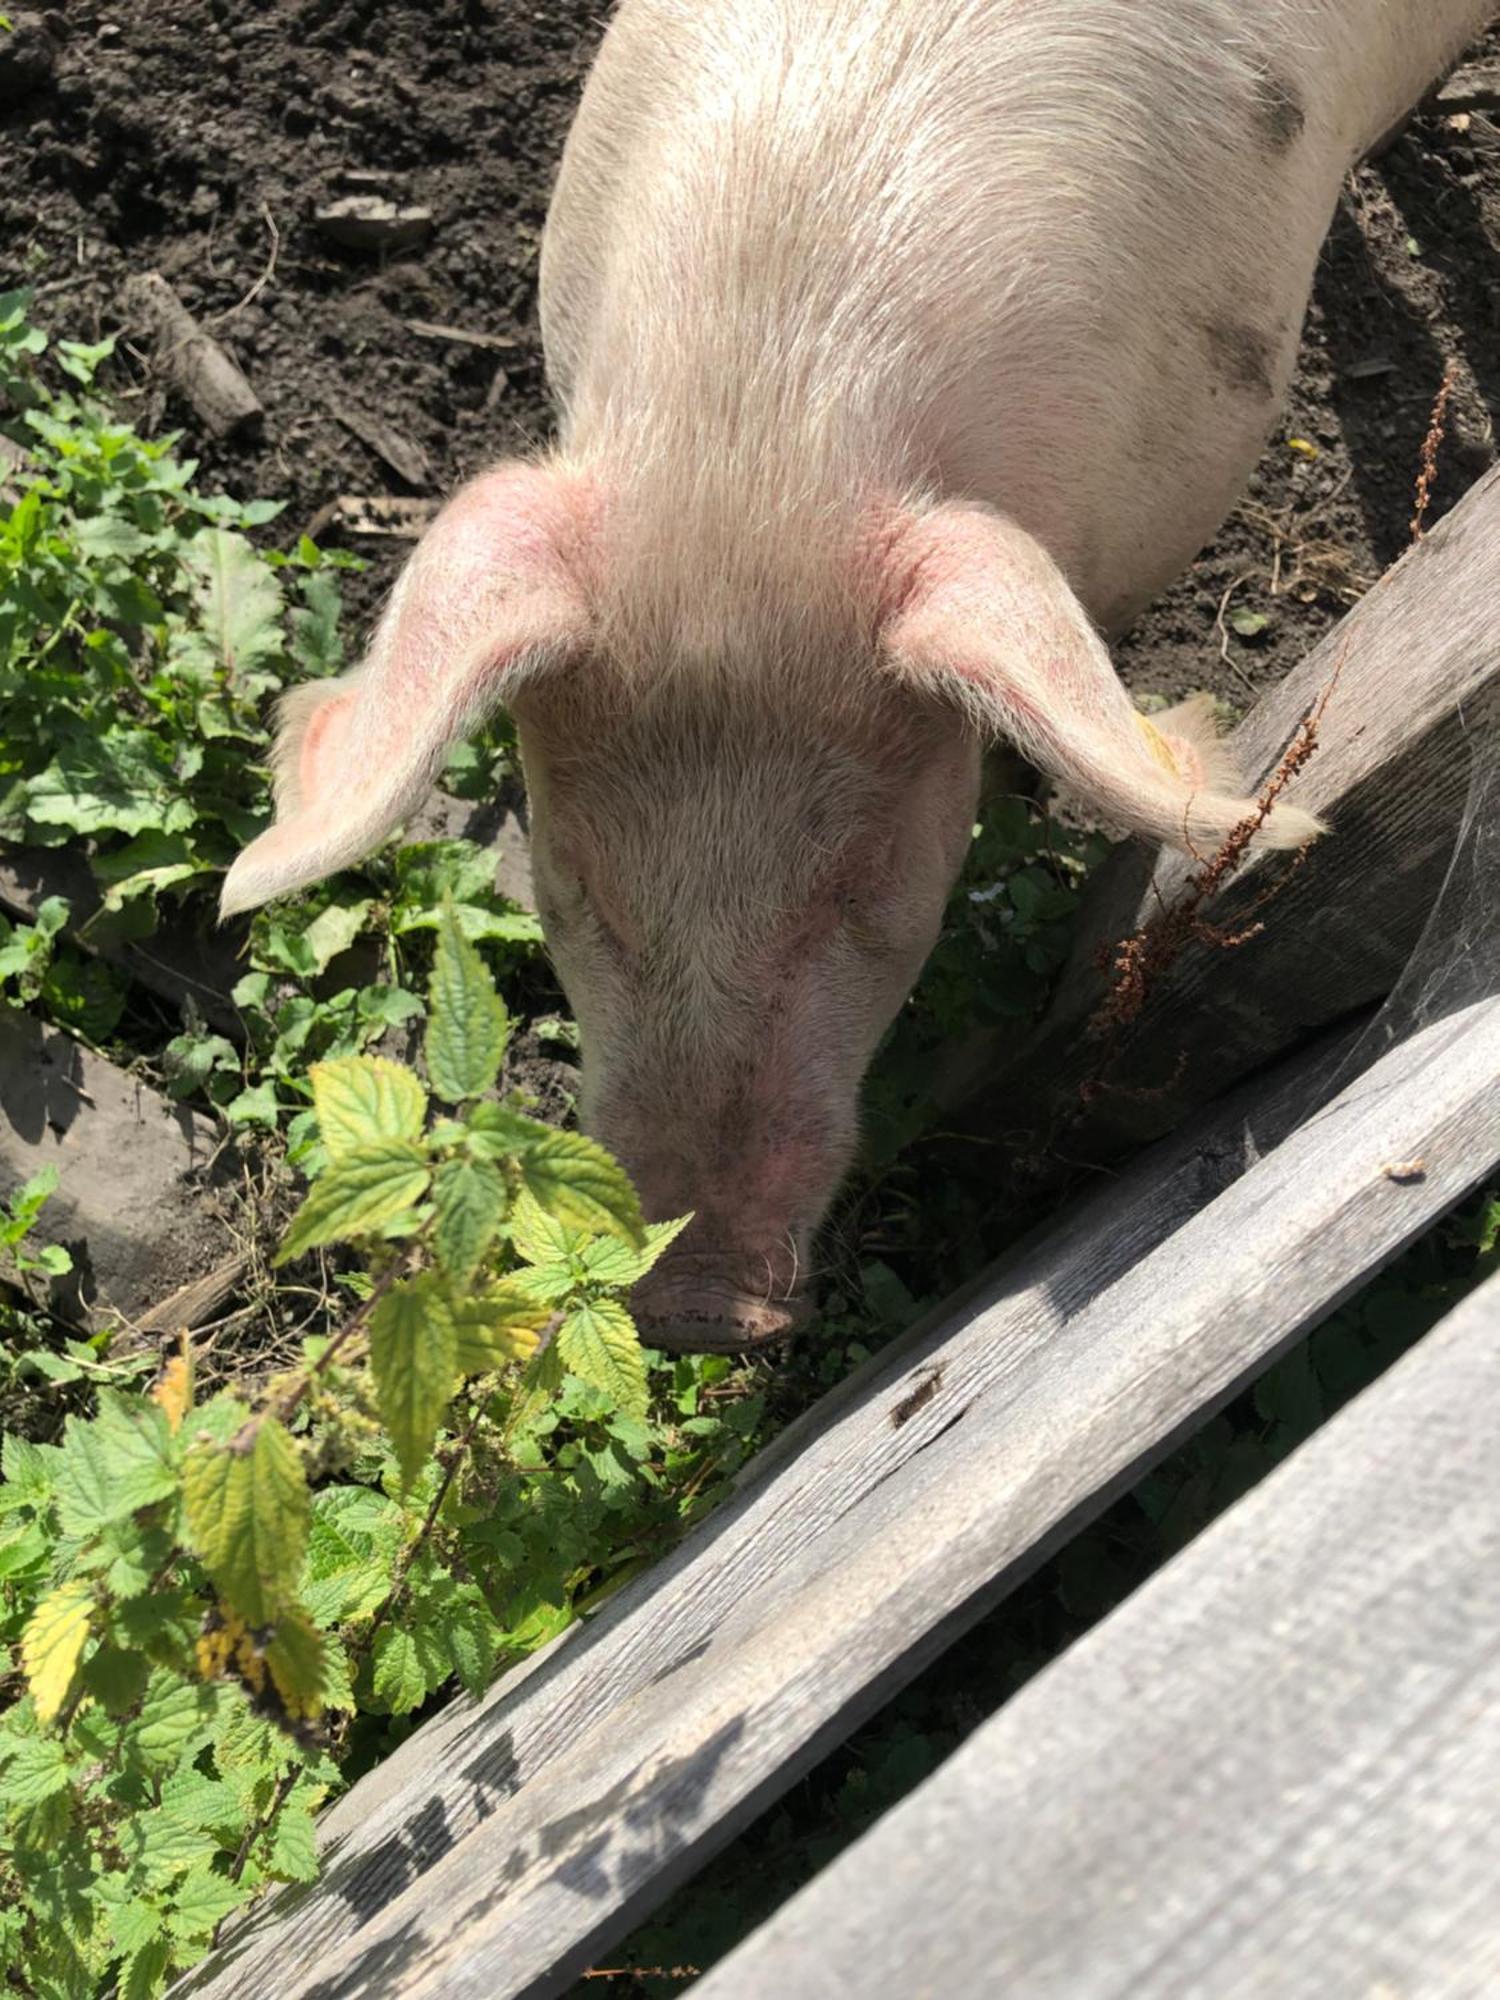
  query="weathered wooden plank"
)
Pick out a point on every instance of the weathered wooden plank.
point(506, 1844)
point(1417, 700)
point(1272, 1771)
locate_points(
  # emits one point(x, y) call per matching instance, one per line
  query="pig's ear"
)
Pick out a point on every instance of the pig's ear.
point(490, 600)
point(983, 618)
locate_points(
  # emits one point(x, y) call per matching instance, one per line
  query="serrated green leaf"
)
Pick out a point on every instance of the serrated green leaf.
point(53, 1642)
point(160, 1845)
point(496, 1132)
point(363, 1098)
point(238, 601)
point(398, 1674)
point(471, 1635)
point(610, 1261)
point(201, 1900)
point(471, 1200)
point(539, 1388)
point(575, 1180)
point(247, 1517)
point(498, 1326)
point(294, 1655)
point(115, 1677)
point(540, 1238)
point(413, 1355)
point(173, 1713)
point(37, 1767)
point(467, 1026)
point(360, 1193)
point(145, 1973)
point(133, 1923)
point(122, 1460)
point(293, 1855)
point(598, 1343)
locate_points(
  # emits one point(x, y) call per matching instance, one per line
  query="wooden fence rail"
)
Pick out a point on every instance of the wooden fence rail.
point(510, 1841)
point(1416, 700)
point(1272, 1771)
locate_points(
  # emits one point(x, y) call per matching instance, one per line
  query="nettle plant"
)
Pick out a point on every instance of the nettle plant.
point(206, 1602)
point(143, 637)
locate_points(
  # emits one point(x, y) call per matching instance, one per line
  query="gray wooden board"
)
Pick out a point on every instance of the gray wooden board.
point(1274, 1770)
point(507, 1843)
point(1417, 700)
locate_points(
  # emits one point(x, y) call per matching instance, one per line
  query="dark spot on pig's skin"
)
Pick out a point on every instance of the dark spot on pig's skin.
point(1240, 356)
point(1278, 110)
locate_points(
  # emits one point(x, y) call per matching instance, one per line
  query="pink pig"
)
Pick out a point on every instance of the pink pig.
point(902, 346)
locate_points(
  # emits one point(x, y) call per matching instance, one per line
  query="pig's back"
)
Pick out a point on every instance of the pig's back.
point(1052, 254)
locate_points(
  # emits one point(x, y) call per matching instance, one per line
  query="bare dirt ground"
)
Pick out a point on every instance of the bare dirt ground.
point(196, 137)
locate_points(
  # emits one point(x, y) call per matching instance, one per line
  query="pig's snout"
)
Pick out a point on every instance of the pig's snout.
point(707, 1302)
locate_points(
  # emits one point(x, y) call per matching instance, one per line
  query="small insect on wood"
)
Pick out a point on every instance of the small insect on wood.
point(917, 1398)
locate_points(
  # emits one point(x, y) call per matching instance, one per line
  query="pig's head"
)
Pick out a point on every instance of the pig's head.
point(741, 856)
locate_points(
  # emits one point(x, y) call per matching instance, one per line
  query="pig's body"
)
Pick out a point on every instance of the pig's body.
point(900, 343)
point(1049, 254)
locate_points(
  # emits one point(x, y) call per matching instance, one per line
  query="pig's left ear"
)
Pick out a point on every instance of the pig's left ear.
point(982, 617)
point(490, 600)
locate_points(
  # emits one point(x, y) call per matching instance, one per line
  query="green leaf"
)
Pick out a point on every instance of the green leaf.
point(413, 1355)
point(574, 1179)
point(202, 1899)
point(367, 1188)
point(293, 1855)
point(247, 1517)
point(360, 1099)
point(110, 1467)
point(541, 1239)
point(37, 1768)
point(598, 1343)
point(471, 1200)
point(498, 1326)
point(496, 1132)
point(145, 1974)
point(294, 1655)
point(471, 1636)
point(53, 1642)
point(238, 601)
point(399, 1673)
point(467, 1025)
point(1249, 624)
point(609, 1261)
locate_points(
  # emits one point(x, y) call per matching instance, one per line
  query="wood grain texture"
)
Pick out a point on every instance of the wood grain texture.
point(507, 1843)
point(1417, 700)
point(1272, 1771)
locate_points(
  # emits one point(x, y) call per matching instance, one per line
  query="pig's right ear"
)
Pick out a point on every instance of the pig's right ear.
point(490, 600)
point(982, 618)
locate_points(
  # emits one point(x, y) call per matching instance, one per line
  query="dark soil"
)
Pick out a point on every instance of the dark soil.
point(196, 137)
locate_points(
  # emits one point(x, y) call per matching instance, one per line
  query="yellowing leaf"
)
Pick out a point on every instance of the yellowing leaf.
point(575, 1180)
point(360, 1099)
point(413, 1354)
point(360, 1193)
point(468, 1026)
point(247, 1517)
point(496, 1327)
point(173, 1389)
point(471, 1201)
point(53, 1643)
point(1304, 447)
point(598, 1343)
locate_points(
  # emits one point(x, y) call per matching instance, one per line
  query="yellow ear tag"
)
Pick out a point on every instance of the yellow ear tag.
point(1159, 747)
